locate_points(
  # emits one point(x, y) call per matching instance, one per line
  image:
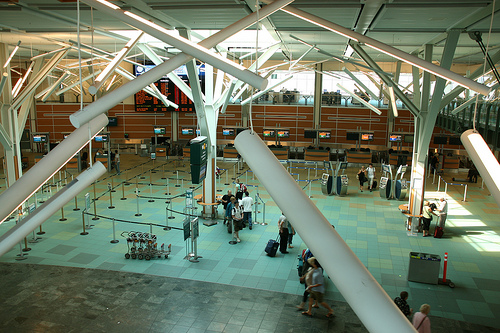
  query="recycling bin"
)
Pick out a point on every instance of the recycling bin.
point(424, 267)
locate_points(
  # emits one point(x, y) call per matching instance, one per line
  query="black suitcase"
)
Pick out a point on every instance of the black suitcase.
point(374, 185)
point(272, 247)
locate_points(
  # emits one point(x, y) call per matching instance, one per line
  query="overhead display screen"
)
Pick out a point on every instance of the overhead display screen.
point(144, 102)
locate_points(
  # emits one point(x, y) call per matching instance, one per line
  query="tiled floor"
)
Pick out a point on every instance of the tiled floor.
point(371, 226)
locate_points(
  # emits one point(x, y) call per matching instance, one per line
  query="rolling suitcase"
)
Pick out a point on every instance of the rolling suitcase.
point(272, 247)
point(438, 232)
point(374, 185)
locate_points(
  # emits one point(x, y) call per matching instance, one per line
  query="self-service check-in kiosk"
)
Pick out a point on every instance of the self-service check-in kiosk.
point(386, 182)
point(341, 182)
point(326, 184)
point(401, 184)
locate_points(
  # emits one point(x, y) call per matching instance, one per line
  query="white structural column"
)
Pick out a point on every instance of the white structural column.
point(108, 101)
point(361, 84)
point(193, 49)
point(32, 180)
point(106, 73)
point(373, 306)
point(51, 206)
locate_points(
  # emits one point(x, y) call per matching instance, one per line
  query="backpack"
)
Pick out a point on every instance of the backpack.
point(243, 188)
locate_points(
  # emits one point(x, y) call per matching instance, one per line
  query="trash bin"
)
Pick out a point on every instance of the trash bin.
point(424, 267)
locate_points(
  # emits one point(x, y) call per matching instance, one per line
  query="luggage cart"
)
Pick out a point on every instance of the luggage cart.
point(144, 246)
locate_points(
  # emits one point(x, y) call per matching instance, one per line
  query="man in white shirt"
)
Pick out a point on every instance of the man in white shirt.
point(247, 203)
point(443, 212)
point(371, 175)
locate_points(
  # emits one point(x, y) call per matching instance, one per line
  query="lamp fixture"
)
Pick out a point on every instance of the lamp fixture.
point(12, 54)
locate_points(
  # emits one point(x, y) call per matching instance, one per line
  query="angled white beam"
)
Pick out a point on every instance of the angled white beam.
point(108, 101)
point(32, 180)
point(240, 92)
point(226, 96)
point(463, 105)
point(5, 75)
point(361, 290)
point(106, 73)
point(38, 79)
point(302, 56)
point(393, 102)
point(259, 50)
point(54, 86)
point(22, 229)
point(260, 93)
point(172, 76)
point(193, 49)
point(5, 138)
point(88, 77)
point(43, 55)
point(358, 81)
point(389, 50)
point(219, 83)
point(359, 99)
point(209, 84)
point(151, 89)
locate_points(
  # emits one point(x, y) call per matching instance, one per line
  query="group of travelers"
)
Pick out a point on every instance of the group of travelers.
point(237, 209)
point(439, 210)
point(366, 175)
point(420, 321)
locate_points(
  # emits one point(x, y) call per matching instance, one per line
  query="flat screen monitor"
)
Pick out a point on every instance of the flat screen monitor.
point(228, 131)
point(187, 131)
point(112, 121)
point(283, 133)
point(39, 138)
point(101, 138)
point(395, 138)
point(325, 135)
point(352, 136)
point(455, 140)
point(408, 138)
point(159, 130)
point(440, 140)
point(366, 136)
point(309, 134)
point(269, 133)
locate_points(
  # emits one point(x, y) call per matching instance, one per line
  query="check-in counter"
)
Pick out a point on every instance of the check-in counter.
point(161, 152)
point(451, 162)
point(317, 155)
point(404, 159)
point(362, 157)
point(230, 152)
point(280, 153)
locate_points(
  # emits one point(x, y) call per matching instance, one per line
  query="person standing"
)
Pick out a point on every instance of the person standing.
point(371, 175)
point(421, 320)
point(247, 203)
point(237, 215)
point(443, 212)
point(361, 177)
point(117, 162)
point(402, 305)
point(283, 230)
point(317, 288)
point(426, 218)
point(228, 213)
point(240, 189)
point(291, 232)
point(226, 199)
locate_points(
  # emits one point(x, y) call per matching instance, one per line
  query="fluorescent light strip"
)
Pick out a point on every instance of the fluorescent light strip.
point(12, 54)
point(20, 83)
point(389, 50)
point(359, 99)
point(78, 82)
point(54, 86)
point(111, 82)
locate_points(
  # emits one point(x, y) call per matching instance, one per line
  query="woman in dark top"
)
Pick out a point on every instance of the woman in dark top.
point(362, 177)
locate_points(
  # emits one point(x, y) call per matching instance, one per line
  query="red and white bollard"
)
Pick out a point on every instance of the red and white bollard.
point(445, 266)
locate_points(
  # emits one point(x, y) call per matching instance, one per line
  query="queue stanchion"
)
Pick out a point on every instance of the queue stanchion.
point(83, 233)
point(41, 232)
point(95, 208)
point(316, 170)
point(112, 184)
point(137, 199)
point(150, 187)
point(76, 204)
point(123, 192)
point(126, 177)
point(227, 176)
point(163, 171)
point(310, 185)
point(439, 182)
point(26, 248)
point(166, 218)
point(465, 193)
point(171, 210)
point(308, 174)
point(142, 172)
point(234, 171)
point(114, 240)
point(168, 188)
point(246, 177)
point(110, 197)
point(62, 215)
point(445, 187)
point(177, 179)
